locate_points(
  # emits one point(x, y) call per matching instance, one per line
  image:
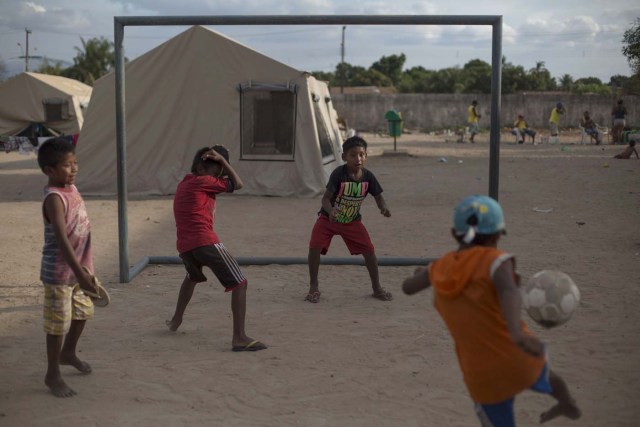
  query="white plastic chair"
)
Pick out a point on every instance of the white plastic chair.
point(602, 130)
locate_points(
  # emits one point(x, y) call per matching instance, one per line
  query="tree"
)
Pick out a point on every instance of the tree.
point(541, 78)
point(477, 76)
point(360, 76)
point(415, 80)
point(95, 59)
point(391, 66)
point(618, 80)
point(631, 48)
point(514, 78)
point(324, 76)
point(446, 80)
point(566, 82)
point(53, 69)
point(588, 81)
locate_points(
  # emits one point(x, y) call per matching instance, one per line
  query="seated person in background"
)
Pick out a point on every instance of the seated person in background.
point(521, 128)
point(590, 127)
point(626, 154)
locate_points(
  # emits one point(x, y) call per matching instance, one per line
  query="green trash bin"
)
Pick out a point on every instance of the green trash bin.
point(395, 122)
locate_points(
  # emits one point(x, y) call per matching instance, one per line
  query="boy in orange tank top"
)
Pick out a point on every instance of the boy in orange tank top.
point(476, 294)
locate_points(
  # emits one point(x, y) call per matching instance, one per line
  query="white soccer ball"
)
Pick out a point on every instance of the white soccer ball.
point(550, 298)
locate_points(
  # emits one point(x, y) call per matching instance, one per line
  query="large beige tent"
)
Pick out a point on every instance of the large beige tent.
point(201, 88)
point(54, 101)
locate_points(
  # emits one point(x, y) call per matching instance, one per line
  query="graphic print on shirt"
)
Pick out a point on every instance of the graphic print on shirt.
point(349, 199)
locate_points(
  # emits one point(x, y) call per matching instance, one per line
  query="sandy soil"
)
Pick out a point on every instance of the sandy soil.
point(350, 360)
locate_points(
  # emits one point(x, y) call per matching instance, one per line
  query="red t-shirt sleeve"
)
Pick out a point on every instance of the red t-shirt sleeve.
point(212, 185)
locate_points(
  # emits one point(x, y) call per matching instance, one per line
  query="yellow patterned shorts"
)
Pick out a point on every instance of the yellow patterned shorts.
point(62, 304)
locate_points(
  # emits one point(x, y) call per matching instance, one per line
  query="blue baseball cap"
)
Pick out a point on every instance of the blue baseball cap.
point(478, 215)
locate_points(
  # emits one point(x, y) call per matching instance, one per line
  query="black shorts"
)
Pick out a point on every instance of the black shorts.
point(219, 260)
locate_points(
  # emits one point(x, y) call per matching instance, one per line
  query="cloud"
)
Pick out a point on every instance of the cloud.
point(32, 7)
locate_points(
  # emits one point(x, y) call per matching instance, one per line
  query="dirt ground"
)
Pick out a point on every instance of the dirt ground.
point(349, 360)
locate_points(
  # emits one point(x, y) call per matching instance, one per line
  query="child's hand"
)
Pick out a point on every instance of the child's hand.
point(531, 345)
point(86, 282)
point(212, 155)
point(386, 212)
point(333, 214)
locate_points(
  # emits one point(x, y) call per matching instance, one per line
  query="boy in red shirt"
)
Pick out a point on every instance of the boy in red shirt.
point(198, 244)
point(340, 215)
point(477, 296)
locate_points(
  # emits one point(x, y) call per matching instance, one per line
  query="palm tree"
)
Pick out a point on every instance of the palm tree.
point(566, 82)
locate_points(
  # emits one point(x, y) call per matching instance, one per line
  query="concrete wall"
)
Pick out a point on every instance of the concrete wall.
point(423, 112)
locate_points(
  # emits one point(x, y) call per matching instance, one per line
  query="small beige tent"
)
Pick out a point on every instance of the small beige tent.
point(54, 101)
point(201, 88)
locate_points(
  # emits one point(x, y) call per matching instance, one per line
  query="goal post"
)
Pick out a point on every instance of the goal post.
point(120, 22)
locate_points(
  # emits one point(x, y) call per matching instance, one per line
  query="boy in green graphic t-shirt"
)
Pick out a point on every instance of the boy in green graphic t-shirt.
point(339, 215)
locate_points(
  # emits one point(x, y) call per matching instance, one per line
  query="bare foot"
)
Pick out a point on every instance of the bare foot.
point(382, 295)
point(80, 365)
point(567, 409)
point(58, 387)
point(173, 324)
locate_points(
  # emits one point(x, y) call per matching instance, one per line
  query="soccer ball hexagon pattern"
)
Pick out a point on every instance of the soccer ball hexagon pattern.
point(550, 298)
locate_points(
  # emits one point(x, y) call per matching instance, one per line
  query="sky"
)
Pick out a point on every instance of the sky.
point(579, 38)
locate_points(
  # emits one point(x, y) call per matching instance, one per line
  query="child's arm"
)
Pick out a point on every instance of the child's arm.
point(382, 205)
point(511, 304)
point(233, 175)
point(54, 211)
point(634, 150)
point(418, 282)
point(326, 205)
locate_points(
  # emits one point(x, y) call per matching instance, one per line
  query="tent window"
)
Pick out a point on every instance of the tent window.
point(268, 122)
point(55, 109)
point(326, 144)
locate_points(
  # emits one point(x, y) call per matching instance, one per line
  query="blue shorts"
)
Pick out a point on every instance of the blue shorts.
point(501, 414)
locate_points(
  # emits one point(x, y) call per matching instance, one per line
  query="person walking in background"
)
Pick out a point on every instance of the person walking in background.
point(472, 118)
point(554, 119)
point(618, 113)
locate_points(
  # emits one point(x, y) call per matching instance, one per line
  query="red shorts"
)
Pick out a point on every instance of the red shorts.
point(354, 234)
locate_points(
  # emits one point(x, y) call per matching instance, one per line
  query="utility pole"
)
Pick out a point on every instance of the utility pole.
point(344, 27)
point(26, 57)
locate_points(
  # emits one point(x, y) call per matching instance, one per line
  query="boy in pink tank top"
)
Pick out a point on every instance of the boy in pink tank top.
point(67, 264)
